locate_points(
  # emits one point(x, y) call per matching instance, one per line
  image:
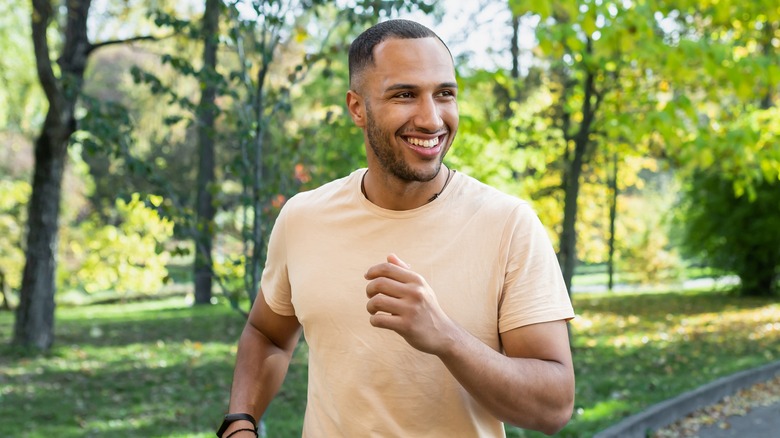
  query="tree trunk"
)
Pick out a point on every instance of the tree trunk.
point(759, 282)
point(613, 189)
point(6, 304)
point(515, 48)
point(253, 264)
point(204, 233)
point(34, 326)
point(567, 255)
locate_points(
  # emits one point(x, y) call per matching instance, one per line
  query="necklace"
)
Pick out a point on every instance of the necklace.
point(432, 198)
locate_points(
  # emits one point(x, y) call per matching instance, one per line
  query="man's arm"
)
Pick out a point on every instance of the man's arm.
point(264, 352)
point(531, 385)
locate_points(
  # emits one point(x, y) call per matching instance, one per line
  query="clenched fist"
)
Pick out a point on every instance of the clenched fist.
point(400, 299)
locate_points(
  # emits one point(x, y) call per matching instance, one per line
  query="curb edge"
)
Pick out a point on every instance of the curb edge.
point(669, 411)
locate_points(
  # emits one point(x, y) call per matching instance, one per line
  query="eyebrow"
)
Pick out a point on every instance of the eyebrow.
point(395, 87)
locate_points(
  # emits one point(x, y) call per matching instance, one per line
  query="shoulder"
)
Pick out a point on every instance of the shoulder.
point(474, 194)
point(328, 195)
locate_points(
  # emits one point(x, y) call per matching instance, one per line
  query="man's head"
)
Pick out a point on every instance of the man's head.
point(403, 94)
point(361, 51)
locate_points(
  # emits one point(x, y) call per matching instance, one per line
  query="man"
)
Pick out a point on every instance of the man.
point(432, 304)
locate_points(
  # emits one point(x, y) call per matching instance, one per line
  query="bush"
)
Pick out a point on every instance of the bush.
point(127, 257)
point(735, 234)
point(13, 202)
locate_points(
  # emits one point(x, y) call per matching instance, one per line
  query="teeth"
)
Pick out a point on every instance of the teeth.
point(424, 143)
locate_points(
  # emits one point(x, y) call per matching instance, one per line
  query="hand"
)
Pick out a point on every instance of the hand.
point(400, 299)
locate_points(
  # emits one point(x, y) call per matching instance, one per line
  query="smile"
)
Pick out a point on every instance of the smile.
point(427, 144)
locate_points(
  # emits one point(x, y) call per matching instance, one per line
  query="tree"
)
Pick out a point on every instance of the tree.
point(720, 102)
point(591, 55)
point(34, 325)
point(743, 239)
point(206, 113)
point(726, 143)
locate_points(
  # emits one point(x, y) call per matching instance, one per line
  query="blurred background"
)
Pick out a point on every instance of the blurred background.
point(146, 147)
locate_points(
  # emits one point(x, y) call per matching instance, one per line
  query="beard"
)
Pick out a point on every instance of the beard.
point(392, 159)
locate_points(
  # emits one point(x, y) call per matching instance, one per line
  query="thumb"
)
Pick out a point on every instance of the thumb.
point(394, 259)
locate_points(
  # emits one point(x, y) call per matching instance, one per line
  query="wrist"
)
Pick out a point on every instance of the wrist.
point(452, 342)
point(237, 425)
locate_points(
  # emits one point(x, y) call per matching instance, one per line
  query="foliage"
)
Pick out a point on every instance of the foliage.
point(722, 62)
point(737, 234)
point(135, 369)
point(23, 101)
point(126, 257)
point(13, 200)
point(589, 57)
point(644, 247)
point(646, 251)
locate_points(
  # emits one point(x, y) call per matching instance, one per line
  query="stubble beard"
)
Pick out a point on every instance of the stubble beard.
point(392, 160)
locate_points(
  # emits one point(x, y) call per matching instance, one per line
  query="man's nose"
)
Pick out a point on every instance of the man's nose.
point(428, 116)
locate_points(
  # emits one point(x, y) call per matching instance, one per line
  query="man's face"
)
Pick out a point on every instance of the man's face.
point(407, 106)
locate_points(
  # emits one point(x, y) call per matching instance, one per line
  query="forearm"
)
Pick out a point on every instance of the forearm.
point(260, 370)
point(530, 393)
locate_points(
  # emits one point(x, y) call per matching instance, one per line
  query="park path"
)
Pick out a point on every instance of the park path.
point(752, 412)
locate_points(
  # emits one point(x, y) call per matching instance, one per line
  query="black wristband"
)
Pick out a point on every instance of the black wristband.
point(246, 429)
point(230, 418)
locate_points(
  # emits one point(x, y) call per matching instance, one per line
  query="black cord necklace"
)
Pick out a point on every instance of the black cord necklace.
point(432, 198)
point(447, 181)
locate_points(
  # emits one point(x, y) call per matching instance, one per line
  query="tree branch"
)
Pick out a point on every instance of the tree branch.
point(41, 17)
point(96, 46)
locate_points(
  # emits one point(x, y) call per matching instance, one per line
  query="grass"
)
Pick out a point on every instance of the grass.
point(162, 368)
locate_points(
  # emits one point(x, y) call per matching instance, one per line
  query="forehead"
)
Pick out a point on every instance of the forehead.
point(419, 62)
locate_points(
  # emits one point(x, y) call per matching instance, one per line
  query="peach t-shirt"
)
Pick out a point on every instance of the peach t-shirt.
point(484, 253)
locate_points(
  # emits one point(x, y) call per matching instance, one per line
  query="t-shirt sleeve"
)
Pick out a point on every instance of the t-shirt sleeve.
point(275, 281)
point(534, 290)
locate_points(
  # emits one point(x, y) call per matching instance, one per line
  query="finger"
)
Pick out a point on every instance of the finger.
point(386, 321)
point(387, 286)
point(394, 259)
point(385, 304)
point(391, 270)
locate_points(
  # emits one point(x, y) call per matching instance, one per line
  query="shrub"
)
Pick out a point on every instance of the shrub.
point(126, 257)
point(736, 234)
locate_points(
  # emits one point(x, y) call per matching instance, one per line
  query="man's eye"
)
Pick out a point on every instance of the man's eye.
point(404, 95)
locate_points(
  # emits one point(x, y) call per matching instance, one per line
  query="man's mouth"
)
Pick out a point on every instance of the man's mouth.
point(425, 143)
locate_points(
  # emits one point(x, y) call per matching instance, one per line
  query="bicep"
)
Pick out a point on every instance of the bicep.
point(283, 331)
point(548, 341)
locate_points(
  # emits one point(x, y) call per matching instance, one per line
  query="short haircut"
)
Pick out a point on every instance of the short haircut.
point(361, 51)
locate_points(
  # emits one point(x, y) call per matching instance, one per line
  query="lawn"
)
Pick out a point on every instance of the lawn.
point(162, 368)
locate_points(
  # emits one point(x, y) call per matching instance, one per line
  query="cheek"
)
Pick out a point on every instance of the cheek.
point(451, 118)
point(392, 121)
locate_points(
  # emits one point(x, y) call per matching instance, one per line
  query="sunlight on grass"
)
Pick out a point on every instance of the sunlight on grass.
point(602, 410)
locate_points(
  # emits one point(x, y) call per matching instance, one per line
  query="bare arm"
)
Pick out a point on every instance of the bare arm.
point(531, 386)
point(264, 352)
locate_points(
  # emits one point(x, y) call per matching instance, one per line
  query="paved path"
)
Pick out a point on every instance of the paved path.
point(760, 422)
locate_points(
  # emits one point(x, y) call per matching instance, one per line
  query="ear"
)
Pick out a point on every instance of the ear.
point(356, 108)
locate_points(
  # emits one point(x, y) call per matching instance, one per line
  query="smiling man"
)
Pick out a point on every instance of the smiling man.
point(432, 304)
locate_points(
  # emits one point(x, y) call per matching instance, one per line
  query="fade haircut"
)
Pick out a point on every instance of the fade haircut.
point(361, 51)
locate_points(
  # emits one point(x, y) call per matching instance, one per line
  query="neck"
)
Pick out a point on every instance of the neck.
point(392, 194)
